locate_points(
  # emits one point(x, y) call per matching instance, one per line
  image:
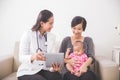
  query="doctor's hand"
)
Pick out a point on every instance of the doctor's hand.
point(56, 67)
point(38, 56)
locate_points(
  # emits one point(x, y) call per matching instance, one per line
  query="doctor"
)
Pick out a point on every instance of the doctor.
point(33, 45)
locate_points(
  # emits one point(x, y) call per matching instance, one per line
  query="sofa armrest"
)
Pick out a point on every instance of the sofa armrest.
point(6, 65)
point(106, 68)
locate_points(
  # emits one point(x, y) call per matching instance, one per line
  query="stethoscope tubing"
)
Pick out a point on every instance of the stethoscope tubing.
point(39, 49)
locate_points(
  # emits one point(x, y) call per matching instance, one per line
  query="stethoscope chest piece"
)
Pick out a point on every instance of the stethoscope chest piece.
point(45, 43)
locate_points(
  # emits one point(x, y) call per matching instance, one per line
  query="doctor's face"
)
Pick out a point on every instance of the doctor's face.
point(48, 25)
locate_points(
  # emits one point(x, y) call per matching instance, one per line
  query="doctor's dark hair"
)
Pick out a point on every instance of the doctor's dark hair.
point(43, 16)
point(78, 20)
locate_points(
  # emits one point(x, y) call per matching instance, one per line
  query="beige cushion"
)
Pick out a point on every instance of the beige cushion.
point(108, 70)
point(11, 77)
point(16, 57)
point(6, 65)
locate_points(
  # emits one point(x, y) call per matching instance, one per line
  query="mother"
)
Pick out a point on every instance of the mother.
point(78, 25)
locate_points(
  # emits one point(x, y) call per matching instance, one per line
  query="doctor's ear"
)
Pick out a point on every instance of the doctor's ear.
point(41, 23)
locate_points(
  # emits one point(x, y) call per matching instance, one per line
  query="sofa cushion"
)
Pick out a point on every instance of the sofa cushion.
point(11, 77)
point(6, 65)
point(108, 70)
point(16, 58)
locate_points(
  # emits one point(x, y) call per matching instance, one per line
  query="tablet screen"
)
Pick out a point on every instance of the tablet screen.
point(54, 58)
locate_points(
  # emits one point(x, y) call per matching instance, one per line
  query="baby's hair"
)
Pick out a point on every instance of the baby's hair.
point(78, 42)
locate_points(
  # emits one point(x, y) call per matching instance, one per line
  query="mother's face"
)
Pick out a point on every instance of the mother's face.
point(77, 30)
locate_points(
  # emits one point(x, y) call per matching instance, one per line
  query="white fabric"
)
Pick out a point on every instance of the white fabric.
point(28, 46)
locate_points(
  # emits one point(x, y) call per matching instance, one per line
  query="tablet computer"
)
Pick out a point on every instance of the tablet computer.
point(54, 58)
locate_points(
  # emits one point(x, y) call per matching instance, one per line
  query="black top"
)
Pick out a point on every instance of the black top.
point(88, 46)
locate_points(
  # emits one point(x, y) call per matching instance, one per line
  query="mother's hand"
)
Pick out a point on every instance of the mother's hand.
point(72, 62)
point(83, 69)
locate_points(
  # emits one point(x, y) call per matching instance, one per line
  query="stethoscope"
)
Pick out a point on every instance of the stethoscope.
point(39, 49)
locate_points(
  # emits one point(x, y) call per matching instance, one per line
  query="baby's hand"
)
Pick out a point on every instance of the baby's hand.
point(67, 53)
point(68, 50)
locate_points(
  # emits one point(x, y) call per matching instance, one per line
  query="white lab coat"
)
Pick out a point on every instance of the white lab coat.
point(28, 46)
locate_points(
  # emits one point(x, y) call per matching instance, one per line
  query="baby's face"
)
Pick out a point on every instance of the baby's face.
point(78, 46)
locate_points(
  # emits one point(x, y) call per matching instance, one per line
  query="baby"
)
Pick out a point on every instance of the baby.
point(78, 55)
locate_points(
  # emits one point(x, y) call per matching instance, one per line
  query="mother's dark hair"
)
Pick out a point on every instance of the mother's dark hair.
point(78, 20)
point(43, 16)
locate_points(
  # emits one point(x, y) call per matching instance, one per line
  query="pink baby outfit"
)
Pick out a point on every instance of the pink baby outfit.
point(80, 59)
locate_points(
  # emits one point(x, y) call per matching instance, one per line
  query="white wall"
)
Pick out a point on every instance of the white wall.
point(16, 16)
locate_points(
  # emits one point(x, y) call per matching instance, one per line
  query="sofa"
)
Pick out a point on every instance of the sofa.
point(105, 68)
